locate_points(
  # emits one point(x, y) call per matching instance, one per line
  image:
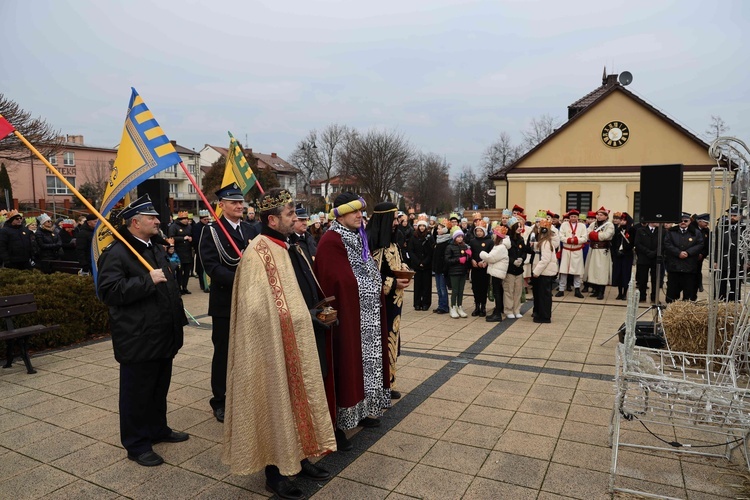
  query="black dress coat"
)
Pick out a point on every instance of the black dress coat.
point(145, 319)
point(675, 242)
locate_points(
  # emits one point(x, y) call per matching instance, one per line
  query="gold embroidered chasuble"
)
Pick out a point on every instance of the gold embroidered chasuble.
point(276, 408)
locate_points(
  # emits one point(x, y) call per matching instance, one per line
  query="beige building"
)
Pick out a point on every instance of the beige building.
point(594, 159)
point(35, 186)
point(182, 194)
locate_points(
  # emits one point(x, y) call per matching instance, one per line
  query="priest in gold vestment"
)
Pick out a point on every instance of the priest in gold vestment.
point(276, 409)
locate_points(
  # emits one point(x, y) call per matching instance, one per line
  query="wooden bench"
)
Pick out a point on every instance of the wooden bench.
point(64, 266)
point(10, 307)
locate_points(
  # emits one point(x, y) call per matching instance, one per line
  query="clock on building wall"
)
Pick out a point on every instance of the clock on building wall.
point(615, 134)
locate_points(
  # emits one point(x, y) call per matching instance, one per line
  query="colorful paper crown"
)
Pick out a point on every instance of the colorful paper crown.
point(617, 215)
point(500, 231)
point(476, 215)
point(268, 203)
point(182, 215)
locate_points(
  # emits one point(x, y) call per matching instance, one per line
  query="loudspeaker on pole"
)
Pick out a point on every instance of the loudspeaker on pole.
point(661, 193)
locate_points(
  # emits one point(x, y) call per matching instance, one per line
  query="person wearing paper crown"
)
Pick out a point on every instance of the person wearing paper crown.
point(598, 272)
point(496, 259)
point(182, 235)
point(442, 240)
point(48, 242)
point(197, 230)
point(346, 270)
point(545, 270)
point(220, 262)
point(16, 242)
point(420, 249)
point(146, 318)
point(518, 253)
point(276, 406)
point(573, 236)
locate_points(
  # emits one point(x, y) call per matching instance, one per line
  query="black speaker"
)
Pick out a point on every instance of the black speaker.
point(661, 193)
point(158, 191)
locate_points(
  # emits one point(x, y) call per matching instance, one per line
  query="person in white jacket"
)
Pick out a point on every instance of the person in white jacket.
point(497, 267)
point(543, 273)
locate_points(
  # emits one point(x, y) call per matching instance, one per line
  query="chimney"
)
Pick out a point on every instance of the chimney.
point(174, 143)
point(249, 151)
point(273, 155)
point(611, 80)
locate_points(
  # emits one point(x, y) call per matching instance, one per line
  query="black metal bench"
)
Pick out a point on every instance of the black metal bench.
point(10, 307)
point(64, 266)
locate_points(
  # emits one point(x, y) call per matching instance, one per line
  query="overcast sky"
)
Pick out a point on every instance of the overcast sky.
point(449, 75)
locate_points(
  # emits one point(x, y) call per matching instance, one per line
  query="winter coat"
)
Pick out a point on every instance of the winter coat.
point(479, 245)
point(16, 244)
point(49, 244)
point(438, 255)
point(646, 244)
point(547, 263)
point(182, 248)
point(497, 260)
point(145, 319)
point(420, 251)
point(517, 249)
point(68, 242)
point(453, 252)
point(83, 247)
point(675, 242)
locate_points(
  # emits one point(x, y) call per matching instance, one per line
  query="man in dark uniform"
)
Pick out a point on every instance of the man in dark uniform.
point(646, 244)
point(182, 234)
point(16, 243)
point(146, 318)
point(197, 230)
point(681, 248)
point(728, 261)
point(301, 236)
point(220, 262)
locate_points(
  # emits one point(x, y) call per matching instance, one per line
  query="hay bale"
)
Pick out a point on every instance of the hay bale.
point(686, 325)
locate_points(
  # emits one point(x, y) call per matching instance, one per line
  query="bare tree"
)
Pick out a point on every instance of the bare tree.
point(428, 181)
point(538, 130)
point(379, 161)
point(499, 154)
point(95, 179)
point(36, 130)
point(318, 154)
point(717, 128)
point(465, 189)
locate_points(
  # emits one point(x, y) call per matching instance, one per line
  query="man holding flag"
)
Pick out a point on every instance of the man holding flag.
point(220, 258)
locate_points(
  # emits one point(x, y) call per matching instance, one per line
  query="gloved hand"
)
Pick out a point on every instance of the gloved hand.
point(316, 321)
point(462, 260)
point(518, 262)
point(468, 252)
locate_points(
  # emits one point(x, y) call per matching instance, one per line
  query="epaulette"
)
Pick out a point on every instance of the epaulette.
point(109, 246)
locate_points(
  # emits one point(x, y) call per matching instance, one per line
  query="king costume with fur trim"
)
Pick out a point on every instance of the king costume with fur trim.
point(346, 270)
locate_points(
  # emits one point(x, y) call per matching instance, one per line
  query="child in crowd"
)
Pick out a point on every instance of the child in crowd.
point(457, 256)
point(497, 267)
point(543, 273)
point(513, 283)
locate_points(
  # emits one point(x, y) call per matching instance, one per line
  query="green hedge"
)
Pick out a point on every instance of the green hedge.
point(62, 299)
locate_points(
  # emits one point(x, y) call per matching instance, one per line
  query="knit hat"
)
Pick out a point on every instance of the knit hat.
point(456, 232)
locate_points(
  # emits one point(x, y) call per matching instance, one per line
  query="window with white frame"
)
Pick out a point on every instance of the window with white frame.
point(52, 159)
point(69, 159)
point(191, 189)
point(173, 188)
point(56, 186)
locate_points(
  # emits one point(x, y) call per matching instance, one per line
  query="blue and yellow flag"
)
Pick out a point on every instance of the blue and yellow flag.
point(237, 169)
point(144, 151)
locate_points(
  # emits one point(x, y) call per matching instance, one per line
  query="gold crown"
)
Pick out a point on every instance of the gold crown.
point(270, 202)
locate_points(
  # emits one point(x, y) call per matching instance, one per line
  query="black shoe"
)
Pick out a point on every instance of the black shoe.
point(578, 294)
point(174, 437)
point(494, 318)
point(342, 442)
point(476, 311)
point(560, 293)
point(286, 489)
point(206, 290)
point(369, 422)
point(219, 414)
point(147, 459)
point(619, 296)
point(440, 311)
point(483, 311)
point(186, 291)
point(585, 289)
point(642, 299)
point(568, 288)
point(313, 472)
point(600, 295)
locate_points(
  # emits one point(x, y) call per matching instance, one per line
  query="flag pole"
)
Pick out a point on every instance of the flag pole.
point(78, 195)
point(210, 208)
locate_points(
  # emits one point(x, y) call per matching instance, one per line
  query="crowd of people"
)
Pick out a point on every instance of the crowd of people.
point(306, 309)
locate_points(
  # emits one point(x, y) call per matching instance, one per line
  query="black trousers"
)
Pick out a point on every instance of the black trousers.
point(542, 289)
point(497, 293)
point(480, 282)
point(730, 287)
point(143, 404)
point(220, 339)
point(423, 288)
point(183, 274)
point(199, 272)
point(642, 273)
point(681, 283)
